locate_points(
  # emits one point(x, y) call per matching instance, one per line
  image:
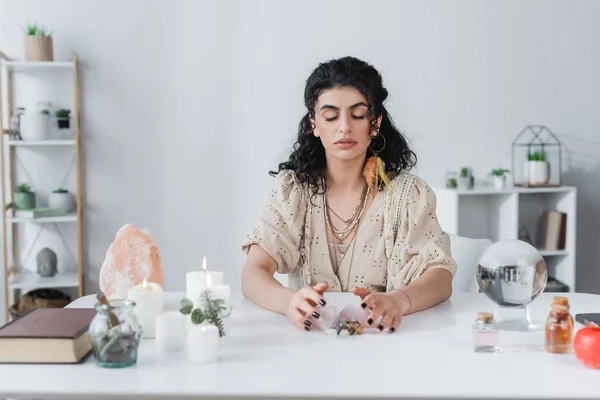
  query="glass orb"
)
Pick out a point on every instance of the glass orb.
point(512, 273)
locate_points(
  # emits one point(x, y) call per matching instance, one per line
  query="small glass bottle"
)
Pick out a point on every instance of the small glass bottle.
point(559, 330)
point(485, 334)
point(563, 301)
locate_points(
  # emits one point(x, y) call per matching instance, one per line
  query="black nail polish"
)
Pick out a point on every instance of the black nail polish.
point(363, 305)
point(380, 327)
point(392, 329)
point(322, 302)
point(370, 321)
point(307, 323)
point(307, 328)
point(315, 314)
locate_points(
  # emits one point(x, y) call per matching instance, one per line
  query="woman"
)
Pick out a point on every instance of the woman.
point(345, 215)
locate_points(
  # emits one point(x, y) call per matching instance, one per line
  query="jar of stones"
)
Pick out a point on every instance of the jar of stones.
point(115, 334)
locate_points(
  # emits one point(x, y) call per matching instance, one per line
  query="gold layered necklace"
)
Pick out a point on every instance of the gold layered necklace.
point(351, 225)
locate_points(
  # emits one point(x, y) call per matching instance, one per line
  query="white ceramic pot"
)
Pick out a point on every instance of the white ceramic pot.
point(499, 182)
point(65, 201)
point(537, 172)
point(35, 126)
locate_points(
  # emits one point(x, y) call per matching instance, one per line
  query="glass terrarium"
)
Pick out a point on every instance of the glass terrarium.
point(536, 158)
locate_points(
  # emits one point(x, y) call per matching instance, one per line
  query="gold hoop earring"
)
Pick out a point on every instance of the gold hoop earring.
point(374, 170)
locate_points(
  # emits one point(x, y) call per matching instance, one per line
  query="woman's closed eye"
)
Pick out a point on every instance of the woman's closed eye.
point(353, 117)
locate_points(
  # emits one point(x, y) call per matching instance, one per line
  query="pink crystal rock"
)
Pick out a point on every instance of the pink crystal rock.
point(354, 312)
point(131, 258)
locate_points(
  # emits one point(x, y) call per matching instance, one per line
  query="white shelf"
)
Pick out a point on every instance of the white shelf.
point(59, 142)
point(483, 190)
point(37, 65)
point(70, 217)
point(30, 280)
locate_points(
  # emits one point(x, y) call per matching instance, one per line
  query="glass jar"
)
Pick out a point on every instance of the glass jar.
point(559, 330)
point(485, 334)
point(115, 334)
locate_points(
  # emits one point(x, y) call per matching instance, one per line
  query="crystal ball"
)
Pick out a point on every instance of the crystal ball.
point(512, 273)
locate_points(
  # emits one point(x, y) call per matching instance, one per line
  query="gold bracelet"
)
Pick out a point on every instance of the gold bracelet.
point(409, 300)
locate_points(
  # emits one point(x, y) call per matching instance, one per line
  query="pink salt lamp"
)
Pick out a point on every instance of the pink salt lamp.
point(131, 258)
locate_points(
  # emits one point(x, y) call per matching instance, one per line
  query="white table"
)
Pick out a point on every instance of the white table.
point(430, 356)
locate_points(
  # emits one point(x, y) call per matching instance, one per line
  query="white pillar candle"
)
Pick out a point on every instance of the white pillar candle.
point(170, 331)
point(148, 298)
point(196, 282)
point(203, 343)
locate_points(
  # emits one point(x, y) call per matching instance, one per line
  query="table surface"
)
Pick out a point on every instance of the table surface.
point(430, 356)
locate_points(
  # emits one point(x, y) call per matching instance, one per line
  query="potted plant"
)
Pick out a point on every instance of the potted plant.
point(466, 180)
point(499, 178)
point(61, 199)
point(24, 197)
point(537, 168)
point(38, 44)
point(35, 125)
point(63, 118)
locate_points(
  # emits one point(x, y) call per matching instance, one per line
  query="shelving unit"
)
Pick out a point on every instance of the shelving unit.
point(497, 215)
point(22, 234)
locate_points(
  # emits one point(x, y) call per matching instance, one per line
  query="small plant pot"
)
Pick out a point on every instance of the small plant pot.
point(499, 182)
point(64, 201)
point(63, 122)
point(39, 48)
point(465, 182)
point(537, 172)
point(35, 126)
point(24, 201)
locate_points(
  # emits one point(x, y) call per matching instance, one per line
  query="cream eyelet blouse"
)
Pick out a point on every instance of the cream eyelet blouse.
point(397, 241)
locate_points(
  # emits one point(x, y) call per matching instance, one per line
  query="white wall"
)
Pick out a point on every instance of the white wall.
point(188, 104)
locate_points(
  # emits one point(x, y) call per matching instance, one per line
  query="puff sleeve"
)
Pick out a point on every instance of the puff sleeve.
point(424, 244)
point(280, 225)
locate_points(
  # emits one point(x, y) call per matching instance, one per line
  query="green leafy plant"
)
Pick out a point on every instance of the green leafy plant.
point(37, 30)
point(452, 182)
point(537, 156)
point(210, 311)
point(60, 190)
point(62, 113)
point(24, 188)
point(465, 172)
point(499, 172)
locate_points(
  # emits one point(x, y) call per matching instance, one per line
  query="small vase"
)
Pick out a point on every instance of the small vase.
point(465, 182)
point(38, 48)
point(64, 201)
point(538, 172)
point(24, 200)
point(35, 126)
point(499, 182)
point(115, 334)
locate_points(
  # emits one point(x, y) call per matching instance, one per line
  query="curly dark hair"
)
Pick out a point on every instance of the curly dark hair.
point(308, 157)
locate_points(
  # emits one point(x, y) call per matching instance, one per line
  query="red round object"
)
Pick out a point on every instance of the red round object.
point(586, 346)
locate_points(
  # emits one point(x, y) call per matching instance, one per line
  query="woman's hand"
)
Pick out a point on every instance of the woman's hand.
point(390, 307)
point(302, 305)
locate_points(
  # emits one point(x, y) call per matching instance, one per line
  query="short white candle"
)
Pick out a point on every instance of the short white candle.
point(196, 282)
point(203, 343)
point(148, 298)
point(170, 331)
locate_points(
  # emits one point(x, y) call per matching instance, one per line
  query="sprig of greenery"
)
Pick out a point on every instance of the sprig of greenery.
point(37, 30)
point(62, 113)
point(465, 172)
point(537, 156)
point(24, 188)
point(211, 311)
point(499, 172)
